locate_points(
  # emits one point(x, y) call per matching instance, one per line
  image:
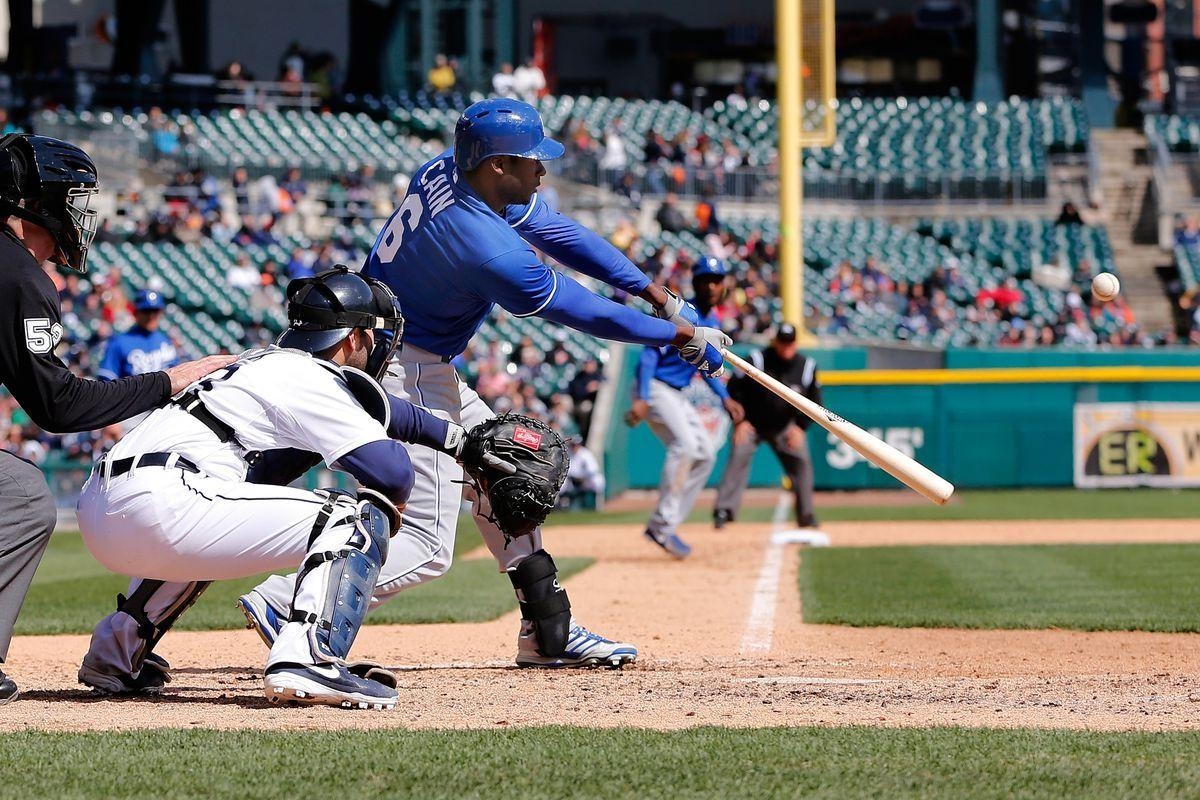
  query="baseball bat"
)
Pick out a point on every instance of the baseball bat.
point(908, 471)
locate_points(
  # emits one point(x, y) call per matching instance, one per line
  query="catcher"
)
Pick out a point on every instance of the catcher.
point(199, 493)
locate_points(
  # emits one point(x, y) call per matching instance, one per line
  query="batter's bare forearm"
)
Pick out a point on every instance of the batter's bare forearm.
point(654, 294)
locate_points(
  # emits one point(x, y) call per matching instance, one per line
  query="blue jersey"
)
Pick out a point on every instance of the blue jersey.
point(449, 258)
point(666, 365)
point(136, 352)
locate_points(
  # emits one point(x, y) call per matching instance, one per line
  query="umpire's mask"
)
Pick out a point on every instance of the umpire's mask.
point(324, 309)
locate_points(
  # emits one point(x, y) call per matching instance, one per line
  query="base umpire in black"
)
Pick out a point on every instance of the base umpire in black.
point(47, 188)
point(771, 419)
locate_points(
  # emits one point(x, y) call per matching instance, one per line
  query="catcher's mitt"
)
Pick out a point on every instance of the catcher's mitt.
point(519, 464)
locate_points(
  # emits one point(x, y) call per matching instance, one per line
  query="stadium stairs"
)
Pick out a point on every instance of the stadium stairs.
point(1130, 206)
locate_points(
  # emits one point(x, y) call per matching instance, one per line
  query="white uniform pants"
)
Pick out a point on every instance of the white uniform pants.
point(181, 527)
point(424, 549)
point(691, 454)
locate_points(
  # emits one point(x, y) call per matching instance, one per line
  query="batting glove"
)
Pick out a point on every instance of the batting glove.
point(678, 310)
point(704, 351)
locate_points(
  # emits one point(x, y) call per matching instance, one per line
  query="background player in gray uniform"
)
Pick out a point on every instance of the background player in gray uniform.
point(770, 419)
point(691, 448)
point(46, 188)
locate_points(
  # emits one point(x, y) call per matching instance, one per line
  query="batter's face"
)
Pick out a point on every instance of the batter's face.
point(519, 178)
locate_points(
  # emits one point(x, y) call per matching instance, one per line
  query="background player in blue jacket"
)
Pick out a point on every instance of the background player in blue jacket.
point(143, 348)
point(460, 243)
point(691, 449)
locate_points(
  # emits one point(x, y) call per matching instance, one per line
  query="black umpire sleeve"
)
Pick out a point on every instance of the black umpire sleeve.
point(55, 398)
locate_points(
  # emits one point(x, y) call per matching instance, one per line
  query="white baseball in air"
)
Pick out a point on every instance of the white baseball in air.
point(1105, 286)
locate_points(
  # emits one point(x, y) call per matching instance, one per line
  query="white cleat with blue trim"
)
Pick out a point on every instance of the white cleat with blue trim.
point(584, 649)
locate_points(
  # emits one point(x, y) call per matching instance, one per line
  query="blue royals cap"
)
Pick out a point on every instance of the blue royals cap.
point(149, 300)
point(499, 126)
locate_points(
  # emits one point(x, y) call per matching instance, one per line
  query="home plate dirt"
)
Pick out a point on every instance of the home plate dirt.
point(690, 621)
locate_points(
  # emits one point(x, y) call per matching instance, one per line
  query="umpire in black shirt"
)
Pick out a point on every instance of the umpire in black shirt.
point(47, 188)
point(771, 419)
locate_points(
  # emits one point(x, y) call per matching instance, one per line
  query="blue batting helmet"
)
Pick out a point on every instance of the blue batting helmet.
point(709, 265)
point(149, 300)
point(501, 127)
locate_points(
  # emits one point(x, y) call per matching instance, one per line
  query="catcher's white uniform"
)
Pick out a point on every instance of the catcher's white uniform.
point(171, 501)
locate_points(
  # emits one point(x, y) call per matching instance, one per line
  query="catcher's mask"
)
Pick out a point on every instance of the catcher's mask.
point(324, 309)
point(51, 183)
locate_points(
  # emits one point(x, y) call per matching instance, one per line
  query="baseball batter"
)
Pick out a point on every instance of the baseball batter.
point(691, 451)
point(460, 243)
point(198, 493)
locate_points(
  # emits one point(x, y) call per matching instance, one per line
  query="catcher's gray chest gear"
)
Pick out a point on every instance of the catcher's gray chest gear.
point(520, 464)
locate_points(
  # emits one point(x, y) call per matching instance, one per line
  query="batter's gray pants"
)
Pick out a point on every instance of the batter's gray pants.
point(796, 465)
point(27, 517)
point(691, 454)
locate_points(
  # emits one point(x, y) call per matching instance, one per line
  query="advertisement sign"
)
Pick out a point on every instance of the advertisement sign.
point(1137, 444)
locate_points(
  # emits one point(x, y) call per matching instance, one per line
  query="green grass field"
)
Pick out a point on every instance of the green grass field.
point(562, 763)
point(71, 591)
point(1149, 587)
point(971, 504)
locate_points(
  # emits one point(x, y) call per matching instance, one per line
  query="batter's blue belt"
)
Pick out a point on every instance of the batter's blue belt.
point(111, 469)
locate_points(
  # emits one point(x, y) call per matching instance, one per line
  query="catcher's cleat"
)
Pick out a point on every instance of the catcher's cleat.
point(671, 543)
point(154, 674)
point(262, 617)
point(584, 649)
point(326, 685)
point(8, 689)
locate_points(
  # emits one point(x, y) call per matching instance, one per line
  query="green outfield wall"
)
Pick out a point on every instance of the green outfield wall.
point(990, 419)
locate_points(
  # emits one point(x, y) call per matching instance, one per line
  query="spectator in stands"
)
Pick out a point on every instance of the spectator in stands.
point(326, 76)
point(294, 184)
point(441, 77)
point(706, 216)
point(6, 124)
point(614, 157)
point(583, 389)
point(235, 74)
point(585, 478)
point(626, 186)
point(1069, 215)
point(669, 217)
point(1187, 233)
point(292, 61)
point(529, 81)
point(241, 190)
point(242, 275)
point(504, 83)
point(164, 133)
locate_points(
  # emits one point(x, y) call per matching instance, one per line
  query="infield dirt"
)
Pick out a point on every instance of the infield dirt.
point(698, 664)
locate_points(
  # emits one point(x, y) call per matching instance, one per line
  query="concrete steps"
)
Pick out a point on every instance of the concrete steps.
point(1130, 215)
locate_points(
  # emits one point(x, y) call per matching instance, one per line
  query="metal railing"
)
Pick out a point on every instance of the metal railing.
point(872, 187)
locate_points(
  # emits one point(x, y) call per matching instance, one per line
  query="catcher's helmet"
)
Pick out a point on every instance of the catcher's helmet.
point(709, 265)
point(501, 127)
point(51, 183)
point(324, 309)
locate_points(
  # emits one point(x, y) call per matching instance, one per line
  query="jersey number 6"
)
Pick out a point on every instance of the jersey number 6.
point(407, 216)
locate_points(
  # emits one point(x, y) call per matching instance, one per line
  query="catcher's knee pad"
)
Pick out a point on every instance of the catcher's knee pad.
point(543, 601)
point(155, 606)
point(334, 585)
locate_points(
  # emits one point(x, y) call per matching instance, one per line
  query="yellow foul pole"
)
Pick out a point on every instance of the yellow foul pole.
point(791, 111)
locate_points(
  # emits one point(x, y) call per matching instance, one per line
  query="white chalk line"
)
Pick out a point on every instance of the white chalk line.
point(760, 623)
